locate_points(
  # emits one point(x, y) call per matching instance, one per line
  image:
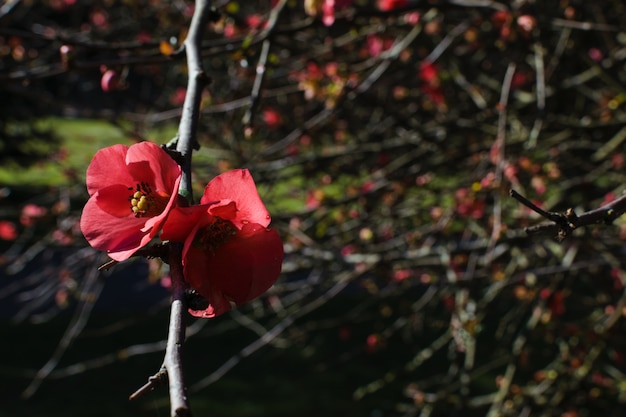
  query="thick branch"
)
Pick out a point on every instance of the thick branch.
point(186, 143)
point(187, 130)
point(176, 337)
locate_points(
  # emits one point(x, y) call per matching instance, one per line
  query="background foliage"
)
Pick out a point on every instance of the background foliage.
point(384, 137)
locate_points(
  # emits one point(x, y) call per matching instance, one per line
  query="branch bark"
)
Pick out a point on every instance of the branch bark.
point(187, 129)
point(187, 132)
point(179, 403)
point(185, 144)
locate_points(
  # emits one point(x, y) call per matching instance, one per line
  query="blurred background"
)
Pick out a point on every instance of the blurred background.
point(384, 137)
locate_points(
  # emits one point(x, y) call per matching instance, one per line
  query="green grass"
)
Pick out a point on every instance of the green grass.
point(80, 139)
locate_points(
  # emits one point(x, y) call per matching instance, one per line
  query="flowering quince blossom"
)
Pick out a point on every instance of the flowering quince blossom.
point(132, 190)
point(229, 254)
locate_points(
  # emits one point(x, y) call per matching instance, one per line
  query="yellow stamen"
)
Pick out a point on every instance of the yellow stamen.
point(146, 203)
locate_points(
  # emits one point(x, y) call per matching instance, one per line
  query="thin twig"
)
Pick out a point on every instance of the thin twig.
point(342, 281)
point(564, 23)
point(541, 95)
point(258, 81)
point(447, 41)
point(261, 64)
point(92, 286)
point(548, 215)
point(7, 7)
point(153, 381)
point(500, 161)
point(352, 95)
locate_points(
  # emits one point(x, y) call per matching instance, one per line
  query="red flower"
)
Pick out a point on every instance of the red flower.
point(110, 81)
point(389, 5)
point(132, 191)
point(229, 254)
point(8, 231)
point(30, 214)
point(272, 118)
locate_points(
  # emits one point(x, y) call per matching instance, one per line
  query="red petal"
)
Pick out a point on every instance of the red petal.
point(115, 234)
point(203, 314)
point(239, 271)
point(114, 200)
point(263, 249)
point(198, 271)
point(149, 163)
point(238, 186)
point(108, 167)
point(107, 221)
point(181, 221)
point(225, 209)
point(157, 221)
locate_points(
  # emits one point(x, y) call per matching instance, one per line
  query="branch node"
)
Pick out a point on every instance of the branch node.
point(153, 381)
point(564, 223)
point(610, 216)
point(158, 250)
point(170, 148)
point(571, 216)
point(204, 79)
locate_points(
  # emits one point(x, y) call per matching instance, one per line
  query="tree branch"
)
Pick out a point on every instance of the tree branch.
point(186, 143)
point(179, 404)
point(198, 79)
point(562, 224)
point(187, 132)
point(92, 285)
point(262, 62)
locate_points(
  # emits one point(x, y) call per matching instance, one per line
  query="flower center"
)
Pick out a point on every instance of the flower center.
point(213, 235)
point(144, 202)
